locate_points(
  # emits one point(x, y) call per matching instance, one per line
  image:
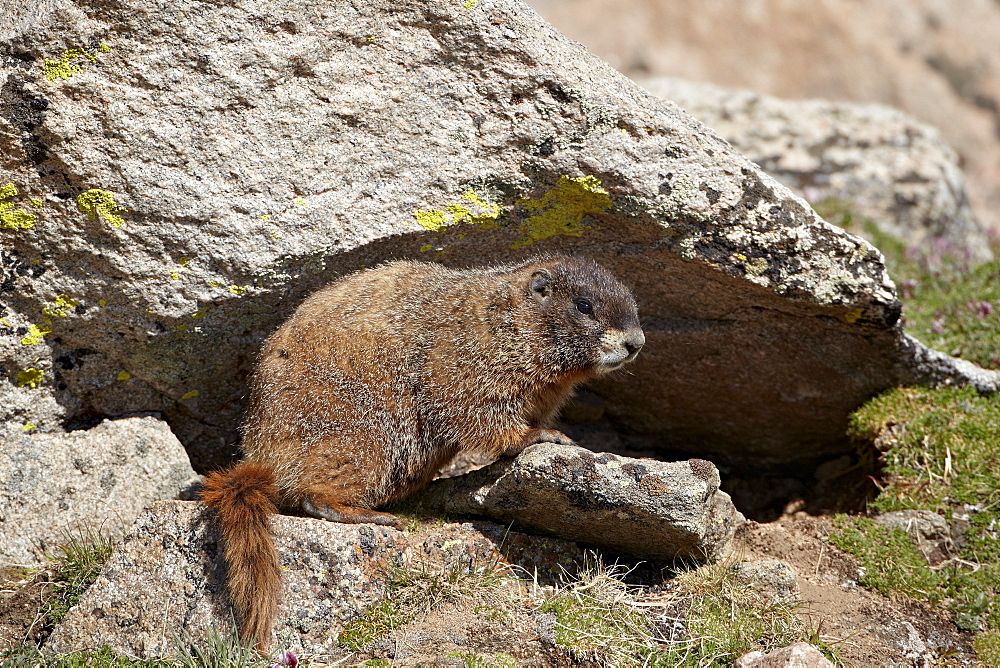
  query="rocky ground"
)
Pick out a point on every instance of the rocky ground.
point(860, 627)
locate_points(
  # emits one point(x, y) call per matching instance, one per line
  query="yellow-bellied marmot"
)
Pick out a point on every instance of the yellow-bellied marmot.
point(382, 377)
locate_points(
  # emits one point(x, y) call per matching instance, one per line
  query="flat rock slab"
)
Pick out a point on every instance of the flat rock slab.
point(53, 486)
point(165, 581)
point(644, 508)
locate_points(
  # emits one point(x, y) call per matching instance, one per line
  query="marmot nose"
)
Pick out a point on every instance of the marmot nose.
point(633, 341)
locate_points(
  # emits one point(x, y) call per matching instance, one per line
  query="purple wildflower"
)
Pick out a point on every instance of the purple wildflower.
point(289, 660)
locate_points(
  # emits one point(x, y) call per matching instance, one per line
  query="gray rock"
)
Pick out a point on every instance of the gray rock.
point(772, 578)
point(928, 530)
point(165, 582)
point(875, 160)
point(924, 524)
point(190, 172)
point(53, 486)
point(644, 508)
point(799, 655)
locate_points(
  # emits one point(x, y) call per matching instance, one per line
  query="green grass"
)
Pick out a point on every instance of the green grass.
point(78, 562)
point(723, 617)
point(942, 453)
point(418, 589)
point(948, 303)
point(29, 655)
point(941, 448)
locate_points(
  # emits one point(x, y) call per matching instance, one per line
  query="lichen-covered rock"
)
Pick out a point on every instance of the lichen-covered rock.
point(57, 486)
point(165, 582)
point(870, 159)
point(177, 177)
point(644, 508)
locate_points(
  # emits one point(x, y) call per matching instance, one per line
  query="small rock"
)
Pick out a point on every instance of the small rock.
point(644, 508)
point(924, 524)
point(773, 578)
point(799, 655)
point(928, 530)
point(56, 485)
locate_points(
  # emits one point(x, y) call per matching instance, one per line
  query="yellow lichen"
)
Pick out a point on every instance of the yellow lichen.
point(64, 68)
point(29, 377)
point(180, 328)
point(238, 289)
point(174, 276)
point(35, 335)
point(36, 202)
point(854, 315)
point(123, 375)
point(200, 313)
point(425, 248)
point(100, 204)
point(29, 426)
point(190, 395)
point(183, 261)
point(756, 266)
point(60, 307)
point(300, 201)
point(469, 4)
point(11, 218)
point(485, 215)
point(101, 302)
point(265, 217)
point(562, 208)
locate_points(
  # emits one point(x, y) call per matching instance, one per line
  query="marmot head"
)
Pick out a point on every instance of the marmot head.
point(590, 319)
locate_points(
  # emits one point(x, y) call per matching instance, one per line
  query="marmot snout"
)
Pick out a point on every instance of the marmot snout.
point(382, 377)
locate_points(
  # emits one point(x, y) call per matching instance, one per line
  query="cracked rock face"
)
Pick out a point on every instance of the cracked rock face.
point(177, 178)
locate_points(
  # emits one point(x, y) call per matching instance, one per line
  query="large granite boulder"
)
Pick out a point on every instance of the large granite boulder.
point(178, 177)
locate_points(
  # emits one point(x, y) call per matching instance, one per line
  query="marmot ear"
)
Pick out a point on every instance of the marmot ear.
point(541, 285)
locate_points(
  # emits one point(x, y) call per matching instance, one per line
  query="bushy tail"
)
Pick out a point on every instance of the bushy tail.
point(244, 498)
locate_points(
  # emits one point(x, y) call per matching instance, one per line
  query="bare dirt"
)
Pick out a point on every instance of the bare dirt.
point(863, 627)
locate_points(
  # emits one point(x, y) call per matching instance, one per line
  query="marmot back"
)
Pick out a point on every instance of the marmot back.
point(380, 378)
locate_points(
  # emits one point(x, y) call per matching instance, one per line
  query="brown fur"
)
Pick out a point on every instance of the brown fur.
point(382, 377)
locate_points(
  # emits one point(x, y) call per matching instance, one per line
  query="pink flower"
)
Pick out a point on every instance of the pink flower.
point(937, 326)
point(984, 310)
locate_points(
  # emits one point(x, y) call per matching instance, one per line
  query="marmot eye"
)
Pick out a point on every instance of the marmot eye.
point(584, 307)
